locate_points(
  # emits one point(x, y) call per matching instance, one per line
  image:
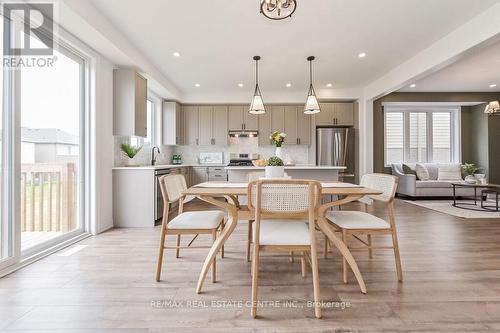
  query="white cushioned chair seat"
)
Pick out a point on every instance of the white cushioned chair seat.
point(210, 219)
point(356, 220)
point(283, 232)
point(436, 183)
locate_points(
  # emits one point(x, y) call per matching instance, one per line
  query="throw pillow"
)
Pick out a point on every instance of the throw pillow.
point(450, 172)
point(408, 171)
point(422, 172)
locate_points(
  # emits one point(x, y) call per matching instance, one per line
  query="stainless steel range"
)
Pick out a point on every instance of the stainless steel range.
point(242, 159)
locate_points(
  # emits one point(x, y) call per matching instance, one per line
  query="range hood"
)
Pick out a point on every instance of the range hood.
point(243, 133)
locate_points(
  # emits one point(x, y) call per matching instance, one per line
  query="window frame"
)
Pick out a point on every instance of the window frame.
point(429, 110)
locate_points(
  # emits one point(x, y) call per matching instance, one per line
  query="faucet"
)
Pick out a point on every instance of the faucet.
point(153, 158)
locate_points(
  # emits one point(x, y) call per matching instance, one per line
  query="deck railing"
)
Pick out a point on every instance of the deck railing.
point(48, 197)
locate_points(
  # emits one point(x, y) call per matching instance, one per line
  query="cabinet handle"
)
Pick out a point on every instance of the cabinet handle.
point(197, 141)
point(299, 141)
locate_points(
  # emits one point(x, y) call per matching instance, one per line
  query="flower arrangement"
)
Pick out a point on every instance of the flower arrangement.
point(277, 138)
point(275, 161)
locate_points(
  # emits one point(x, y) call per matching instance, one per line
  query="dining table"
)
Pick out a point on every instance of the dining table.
point(212, 192)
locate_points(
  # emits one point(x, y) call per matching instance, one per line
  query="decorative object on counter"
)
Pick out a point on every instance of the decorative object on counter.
point(211, 158)
point(277, 139)
point(275, 168)
point(257, 106)
point(481, 178)
point(176, 159)
point(259, 163)
point(312, 105)
point(469, 170)
point(492, 107)
point(278, 9)
point(130, 152)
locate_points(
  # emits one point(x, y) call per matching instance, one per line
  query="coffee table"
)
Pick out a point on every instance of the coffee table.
point(487, 188)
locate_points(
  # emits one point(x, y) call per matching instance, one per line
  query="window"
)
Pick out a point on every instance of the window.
point(415, 134)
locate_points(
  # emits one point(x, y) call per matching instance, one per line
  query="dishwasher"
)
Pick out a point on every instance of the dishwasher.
point(158, 196)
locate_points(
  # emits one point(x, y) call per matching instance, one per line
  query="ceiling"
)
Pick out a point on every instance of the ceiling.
point(474, 73)
point(217, 39)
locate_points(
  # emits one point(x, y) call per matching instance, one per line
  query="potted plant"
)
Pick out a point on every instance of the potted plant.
point(469, 170)
point(277, 139)
point(130, 152)
point(275, 168)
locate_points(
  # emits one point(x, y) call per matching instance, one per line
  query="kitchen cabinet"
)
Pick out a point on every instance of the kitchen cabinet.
point(129, 103)
point(289, 119)
point(198, 175)
point(240, 119)
point(335, 114)
point(304, 127)
point(191, 123)
point(291, 125)
point(277, 118)
point(265, 128)
point(172, 124)
point(213, 125)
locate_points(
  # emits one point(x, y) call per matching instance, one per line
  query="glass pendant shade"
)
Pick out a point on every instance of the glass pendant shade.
point(257, 105)
point(312, 105)
point(492, 107)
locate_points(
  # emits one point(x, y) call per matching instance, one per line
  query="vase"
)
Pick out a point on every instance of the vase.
point(279, 152)
point(275, 172)
point(130, 162)
point(470, 179)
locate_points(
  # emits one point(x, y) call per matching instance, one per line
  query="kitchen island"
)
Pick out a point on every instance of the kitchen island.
point(321, 173)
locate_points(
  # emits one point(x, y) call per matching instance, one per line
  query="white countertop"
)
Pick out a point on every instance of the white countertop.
point(166, 166)
point(291, 167)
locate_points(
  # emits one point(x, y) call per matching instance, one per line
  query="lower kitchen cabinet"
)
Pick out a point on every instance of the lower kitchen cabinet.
point(208, 173)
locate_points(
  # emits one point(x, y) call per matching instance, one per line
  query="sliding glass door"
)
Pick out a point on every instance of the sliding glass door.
point(42, 143)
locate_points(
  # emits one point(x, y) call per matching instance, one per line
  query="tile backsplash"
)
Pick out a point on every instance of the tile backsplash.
point(293, 154)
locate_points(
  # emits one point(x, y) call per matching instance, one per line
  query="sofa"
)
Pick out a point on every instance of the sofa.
point(409, 185)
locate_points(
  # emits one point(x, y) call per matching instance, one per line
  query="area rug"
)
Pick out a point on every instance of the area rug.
point(444, 206)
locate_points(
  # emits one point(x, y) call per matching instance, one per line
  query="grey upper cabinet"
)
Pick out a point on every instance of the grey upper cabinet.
point(172, 124)
point(304, 127)
point(240, 119)
point(277, 118)
point(291, 125)
point(344, 114)
point(265, 127)
point(130, 93)
point(335, 114)
point(191, 133)
point(219, 126)
point(212, 125)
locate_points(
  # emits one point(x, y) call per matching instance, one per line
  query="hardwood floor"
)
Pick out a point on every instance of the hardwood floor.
point(451, 283)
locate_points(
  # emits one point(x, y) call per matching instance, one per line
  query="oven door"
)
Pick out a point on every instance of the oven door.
point(158, 196)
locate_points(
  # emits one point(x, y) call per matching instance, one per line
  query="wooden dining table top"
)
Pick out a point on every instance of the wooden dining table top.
point(329, 188)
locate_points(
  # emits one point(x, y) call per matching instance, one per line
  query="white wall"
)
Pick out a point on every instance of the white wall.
point(102, 145)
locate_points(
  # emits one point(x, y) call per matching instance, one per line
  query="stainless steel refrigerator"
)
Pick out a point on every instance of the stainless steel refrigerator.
point(335, 146)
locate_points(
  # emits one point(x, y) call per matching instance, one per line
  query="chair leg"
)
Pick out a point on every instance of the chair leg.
point(344, 261)
point(315, 273)
point(222, 226)
point(255, 279)
point(161, 250)
point(325, 255)
point(178, 249)
point(214, 266)
point(249, 240)
point(303, 264)
point(397, 257)
point(370, 250)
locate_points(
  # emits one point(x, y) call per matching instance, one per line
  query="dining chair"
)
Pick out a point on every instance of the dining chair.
point(281, 210)
point(185, 223)
point(253, 176)
point(354, 223)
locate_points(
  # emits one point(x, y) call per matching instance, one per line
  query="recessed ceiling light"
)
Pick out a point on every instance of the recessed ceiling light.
point(493, 85)
point(240, 85)
point(362, 55)
point(329, 85)
point(288, 85)
point(176, 54)
point(413, 85)
point(197, 85)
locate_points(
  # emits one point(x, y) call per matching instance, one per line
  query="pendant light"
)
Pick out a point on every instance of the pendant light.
point(257, 106)
point(312, 105)
point(492, 108)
